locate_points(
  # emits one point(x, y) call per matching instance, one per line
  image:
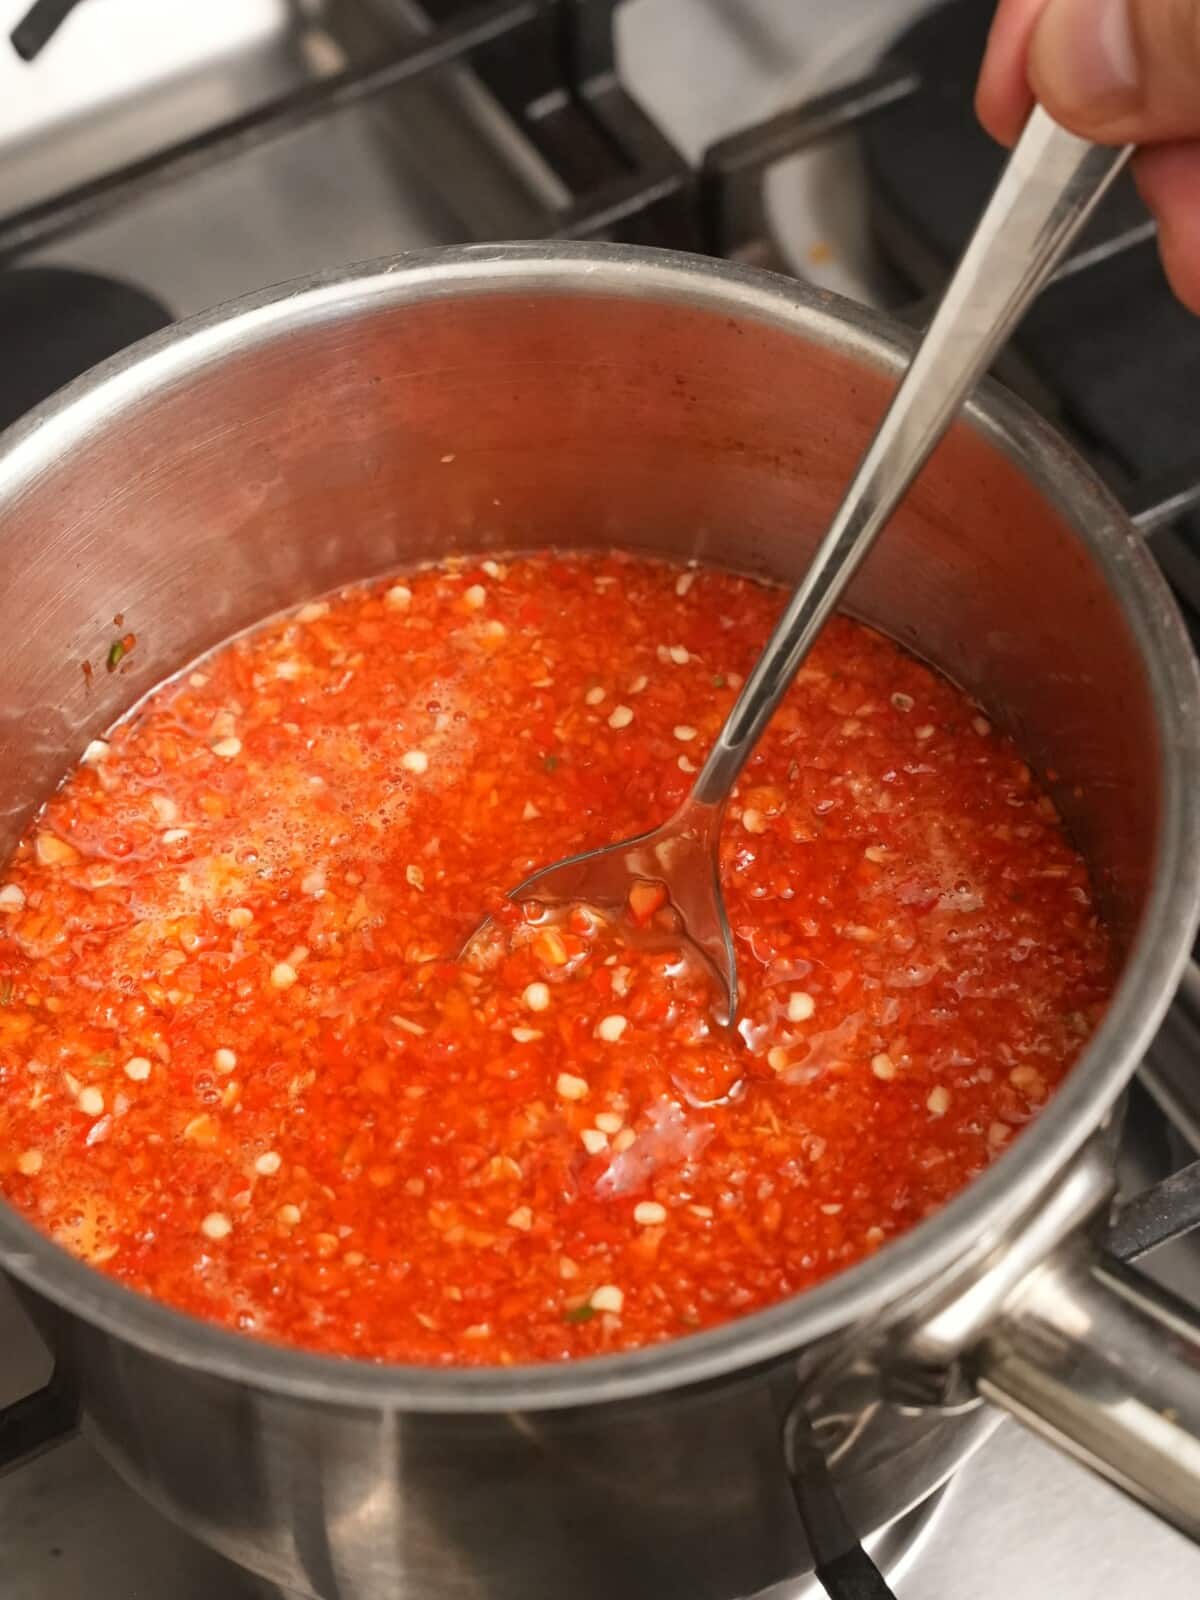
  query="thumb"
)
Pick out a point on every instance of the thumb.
point(1119, 71)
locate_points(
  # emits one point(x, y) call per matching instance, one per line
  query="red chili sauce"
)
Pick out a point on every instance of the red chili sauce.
point(243, 1071)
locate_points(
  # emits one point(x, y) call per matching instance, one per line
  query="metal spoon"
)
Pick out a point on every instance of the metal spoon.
point(1049, 187)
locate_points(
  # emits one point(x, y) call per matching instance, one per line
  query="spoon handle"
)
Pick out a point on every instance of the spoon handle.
point(1051, 184)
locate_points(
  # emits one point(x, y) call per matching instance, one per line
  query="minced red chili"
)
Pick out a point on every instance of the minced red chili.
point(242, 1069)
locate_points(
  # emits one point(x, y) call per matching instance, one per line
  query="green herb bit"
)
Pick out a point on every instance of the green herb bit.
point(116, 654)
point(583, 1313)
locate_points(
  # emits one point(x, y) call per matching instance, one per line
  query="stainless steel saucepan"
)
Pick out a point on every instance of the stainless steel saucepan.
point(590, 395)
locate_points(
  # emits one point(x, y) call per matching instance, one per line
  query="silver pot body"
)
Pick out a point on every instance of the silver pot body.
point(584, 396)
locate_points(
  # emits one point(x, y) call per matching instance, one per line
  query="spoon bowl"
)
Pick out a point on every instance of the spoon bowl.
point(681, 857)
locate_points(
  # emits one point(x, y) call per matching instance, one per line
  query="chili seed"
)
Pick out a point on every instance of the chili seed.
point(800, 1006)
point(938, 1102)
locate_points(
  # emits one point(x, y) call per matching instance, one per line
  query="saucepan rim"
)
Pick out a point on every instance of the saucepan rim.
point(29, 451)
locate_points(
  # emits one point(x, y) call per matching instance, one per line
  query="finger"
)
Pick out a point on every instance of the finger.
point(1119, 71)
point(1168, 177)
point(1003, 97)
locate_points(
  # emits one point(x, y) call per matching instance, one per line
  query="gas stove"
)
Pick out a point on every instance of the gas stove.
point(157, 160)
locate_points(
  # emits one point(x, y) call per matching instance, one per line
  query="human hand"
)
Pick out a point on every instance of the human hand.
point(1118, 72)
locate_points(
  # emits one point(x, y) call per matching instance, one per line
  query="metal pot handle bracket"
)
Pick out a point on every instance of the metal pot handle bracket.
point(1090, 1355)
point(1057, 1329)
point(1104, 1363)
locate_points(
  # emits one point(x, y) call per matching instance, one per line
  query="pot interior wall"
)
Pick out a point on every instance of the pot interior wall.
point(291, 459)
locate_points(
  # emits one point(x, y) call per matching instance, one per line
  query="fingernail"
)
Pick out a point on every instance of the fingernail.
point(1083, 54)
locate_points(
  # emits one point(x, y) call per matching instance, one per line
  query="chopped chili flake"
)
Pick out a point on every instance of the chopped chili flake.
point(243, 1068)
point(645, 899)
point(118, 650)
point(549, 947)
